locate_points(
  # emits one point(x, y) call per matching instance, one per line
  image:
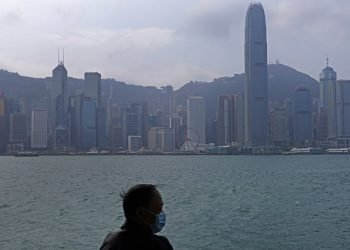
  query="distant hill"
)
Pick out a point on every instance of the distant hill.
point(282, 83)
point(15, 86)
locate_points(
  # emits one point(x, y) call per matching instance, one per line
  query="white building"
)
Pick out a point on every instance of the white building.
point(196, 120)
point(39, 128)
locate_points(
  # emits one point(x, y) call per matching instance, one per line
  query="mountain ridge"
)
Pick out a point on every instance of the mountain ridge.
point(283, 80)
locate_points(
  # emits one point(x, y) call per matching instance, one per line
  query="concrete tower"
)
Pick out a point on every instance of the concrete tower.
point(256, 95)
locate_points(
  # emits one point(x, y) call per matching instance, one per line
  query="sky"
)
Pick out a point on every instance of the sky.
point(160, 42)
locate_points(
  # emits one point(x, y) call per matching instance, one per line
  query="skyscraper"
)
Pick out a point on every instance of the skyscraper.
point(60, 120)
point(328, 79)
point(167, 104)
point(39, 128)
point(279, 126)
point(88, 124)
point(256, 92)
point(92, 81)
point(343, 110)
point(196, 119)
point(303, 116)
point(18, 129)
point(3, 123)
point(225, 129)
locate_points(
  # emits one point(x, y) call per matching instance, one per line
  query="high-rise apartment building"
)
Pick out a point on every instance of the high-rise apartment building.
point(196, 120)
point(256, 85)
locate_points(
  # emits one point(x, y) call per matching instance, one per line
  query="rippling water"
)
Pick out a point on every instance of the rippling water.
point(212, 202)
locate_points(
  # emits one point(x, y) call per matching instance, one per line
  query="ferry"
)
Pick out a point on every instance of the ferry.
point(338, 151)
point(304, 151)
point(26, 154)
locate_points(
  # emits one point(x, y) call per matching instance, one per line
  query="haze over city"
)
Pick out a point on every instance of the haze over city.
point(168, 42)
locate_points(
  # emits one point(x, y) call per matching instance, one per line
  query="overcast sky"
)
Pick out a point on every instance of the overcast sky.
point(157, 42)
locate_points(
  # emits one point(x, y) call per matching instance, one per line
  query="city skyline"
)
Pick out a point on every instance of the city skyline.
point(161, 45)
point(90, 117)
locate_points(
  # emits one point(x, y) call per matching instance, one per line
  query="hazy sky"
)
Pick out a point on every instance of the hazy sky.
point(157, 42)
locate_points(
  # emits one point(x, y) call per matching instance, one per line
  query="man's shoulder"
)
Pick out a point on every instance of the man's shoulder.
point(163, 242)
point(112, 240)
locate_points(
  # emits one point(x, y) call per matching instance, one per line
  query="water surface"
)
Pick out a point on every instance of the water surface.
point(212, 202)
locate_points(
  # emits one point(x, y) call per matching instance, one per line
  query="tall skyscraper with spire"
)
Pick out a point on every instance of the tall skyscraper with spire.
point(60, 116)
point(256, 88)
point(328, 104)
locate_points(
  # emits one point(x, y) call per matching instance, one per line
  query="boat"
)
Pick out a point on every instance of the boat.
point(304, 151)
point(338, 151)
point(26, 154)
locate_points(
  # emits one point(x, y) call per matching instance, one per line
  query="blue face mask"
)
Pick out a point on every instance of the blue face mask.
point(159, 222)
point(158, 225)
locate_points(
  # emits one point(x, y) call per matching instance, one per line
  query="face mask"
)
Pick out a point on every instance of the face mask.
point(159, 223)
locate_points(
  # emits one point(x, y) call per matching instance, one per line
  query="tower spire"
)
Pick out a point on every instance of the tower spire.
point(60, 61)
point(327, 60)
point(58, 56)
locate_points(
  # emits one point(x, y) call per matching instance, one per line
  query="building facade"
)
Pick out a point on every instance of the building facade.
point(328, 106)
point(92, 86)
point(196, 130)
point(225, 121)
point(343, 109)
point(60, 118)
point(39, 128)
point(256, 85)
point(303, 117)
point(88, 124)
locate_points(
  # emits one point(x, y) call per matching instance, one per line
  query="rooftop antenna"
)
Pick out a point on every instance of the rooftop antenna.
point(60, 62)
point(327, 60)
point(58, 56)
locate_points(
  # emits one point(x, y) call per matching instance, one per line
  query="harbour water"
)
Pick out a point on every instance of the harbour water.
point(212, 202)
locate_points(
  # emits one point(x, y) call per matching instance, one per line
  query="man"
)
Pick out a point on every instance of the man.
point(143, 210)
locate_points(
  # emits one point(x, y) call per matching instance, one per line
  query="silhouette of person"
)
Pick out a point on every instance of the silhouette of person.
point(144, 218)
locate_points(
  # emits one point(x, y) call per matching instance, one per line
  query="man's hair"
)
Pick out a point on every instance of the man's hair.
point(139, 195)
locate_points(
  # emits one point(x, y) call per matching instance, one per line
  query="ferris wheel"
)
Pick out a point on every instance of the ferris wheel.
point(188, 139)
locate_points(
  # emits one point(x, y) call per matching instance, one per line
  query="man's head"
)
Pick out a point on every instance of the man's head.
point(142, 202)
